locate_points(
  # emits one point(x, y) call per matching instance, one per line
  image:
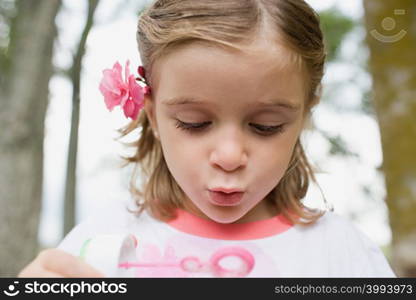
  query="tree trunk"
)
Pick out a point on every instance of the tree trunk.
point(75, 76)
point(392, 64)
point(24, 98)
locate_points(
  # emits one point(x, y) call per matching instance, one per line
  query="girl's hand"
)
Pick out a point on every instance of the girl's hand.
point(57, 263)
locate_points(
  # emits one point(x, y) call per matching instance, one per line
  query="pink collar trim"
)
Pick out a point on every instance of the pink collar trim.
point(189, 223)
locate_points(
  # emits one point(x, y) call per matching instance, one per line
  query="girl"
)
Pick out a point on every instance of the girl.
point(230, 86)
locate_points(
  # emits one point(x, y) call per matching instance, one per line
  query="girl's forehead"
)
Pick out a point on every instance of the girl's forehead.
point(254, 59)
point(215, 72)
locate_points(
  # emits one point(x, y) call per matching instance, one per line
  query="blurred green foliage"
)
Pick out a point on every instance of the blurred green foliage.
point(8, 12)
point(335, 26)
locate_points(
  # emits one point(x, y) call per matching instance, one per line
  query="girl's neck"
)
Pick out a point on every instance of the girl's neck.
point(203, 227)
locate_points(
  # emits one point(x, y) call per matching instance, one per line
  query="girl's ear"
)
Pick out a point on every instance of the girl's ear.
point(149, 108)
point(307, 116)
point(317, 96)
point(307, 122)
point(315, 100)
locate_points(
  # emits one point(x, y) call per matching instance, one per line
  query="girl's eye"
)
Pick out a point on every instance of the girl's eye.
point(262, 129)
point(191, 126)
point(268, 130)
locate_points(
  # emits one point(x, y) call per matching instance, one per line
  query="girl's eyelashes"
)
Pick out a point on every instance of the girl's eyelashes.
point(261, 129)
point(269, 129)
point(191, 126)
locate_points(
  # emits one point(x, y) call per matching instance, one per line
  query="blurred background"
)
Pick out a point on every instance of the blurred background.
point(60, 160)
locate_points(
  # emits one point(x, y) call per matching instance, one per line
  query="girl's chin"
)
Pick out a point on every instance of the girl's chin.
point(224, 214)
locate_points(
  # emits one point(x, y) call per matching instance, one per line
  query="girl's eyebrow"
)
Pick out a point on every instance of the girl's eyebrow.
point(278, 103)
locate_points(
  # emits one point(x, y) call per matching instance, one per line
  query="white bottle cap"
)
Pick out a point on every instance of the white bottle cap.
point(106, 252)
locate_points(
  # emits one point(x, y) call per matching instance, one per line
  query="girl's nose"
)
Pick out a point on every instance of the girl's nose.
point(229, 153)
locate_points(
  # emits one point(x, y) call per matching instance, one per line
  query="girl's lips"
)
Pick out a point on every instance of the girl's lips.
point(224, 199)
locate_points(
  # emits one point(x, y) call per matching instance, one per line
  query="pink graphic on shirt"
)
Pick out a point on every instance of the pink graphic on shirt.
point(183, 255)
point(154, 265)
point(264, 265)
point(213, 266)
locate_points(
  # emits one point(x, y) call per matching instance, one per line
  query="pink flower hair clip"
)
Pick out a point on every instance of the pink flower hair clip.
point(127, 93)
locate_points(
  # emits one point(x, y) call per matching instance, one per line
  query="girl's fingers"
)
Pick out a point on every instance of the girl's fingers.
point(67, 265)
point(35, 270)
point(46, 274)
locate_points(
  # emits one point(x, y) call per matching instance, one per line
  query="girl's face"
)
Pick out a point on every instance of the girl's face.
point(227, 119)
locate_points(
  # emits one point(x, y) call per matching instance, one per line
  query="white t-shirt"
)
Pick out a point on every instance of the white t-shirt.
point(332, 247)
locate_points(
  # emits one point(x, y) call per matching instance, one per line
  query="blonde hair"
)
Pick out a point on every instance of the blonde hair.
point(167, 24)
